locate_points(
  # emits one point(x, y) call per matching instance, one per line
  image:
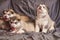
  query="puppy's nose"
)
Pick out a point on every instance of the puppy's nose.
point(40, 7)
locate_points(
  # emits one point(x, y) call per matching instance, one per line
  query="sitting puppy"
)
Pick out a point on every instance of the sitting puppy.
point(20, 26)
point(43, 21)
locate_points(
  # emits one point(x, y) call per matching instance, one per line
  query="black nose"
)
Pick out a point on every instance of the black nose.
point(5, 17)
point(40, 7)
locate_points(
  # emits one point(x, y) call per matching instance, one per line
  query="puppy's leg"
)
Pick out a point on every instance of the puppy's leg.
point(13, 31)
point(52, 27)
point(21, 30)
point(45, 29)
point(37, 28)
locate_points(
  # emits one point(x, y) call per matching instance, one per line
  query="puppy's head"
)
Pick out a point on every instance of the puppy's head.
point(42, 9)
point(8, 14)
point(15, 23)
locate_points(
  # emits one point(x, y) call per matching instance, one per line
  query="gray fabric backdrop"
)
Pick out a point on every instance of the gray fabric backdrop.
point(28, 7)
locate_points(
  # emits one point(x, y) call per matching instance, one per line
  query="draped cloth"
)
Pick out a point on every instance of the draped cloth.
point(28, 8)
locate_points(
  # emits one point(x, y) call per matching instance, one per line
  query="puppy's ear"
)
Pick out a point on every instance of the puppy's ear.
point(4, 12)
point(11, 10)
point(47, 7)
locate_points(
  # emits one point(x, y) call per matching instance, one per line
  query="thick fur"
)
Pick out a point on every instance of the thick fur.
point(43, 21)
point(22, 26)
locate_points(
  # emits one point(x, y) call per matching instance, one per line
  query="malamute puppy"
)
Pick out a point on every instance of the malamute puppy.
point(7, 14)
point(10, 13)
point(19, 26)
point(43, 21)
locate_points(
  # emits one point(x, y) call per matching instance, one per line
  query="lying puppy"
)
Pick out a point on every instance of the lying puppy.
point(10, 13)
point(43, 21)
point(19, 26)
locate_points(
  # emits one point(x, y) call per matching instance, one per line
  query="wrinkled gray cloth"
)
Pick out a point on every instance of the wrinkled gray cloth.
point(28, 7)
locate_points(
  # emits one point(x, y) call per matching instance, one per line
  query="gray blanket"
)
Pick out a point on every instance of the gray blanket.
point(28, 8)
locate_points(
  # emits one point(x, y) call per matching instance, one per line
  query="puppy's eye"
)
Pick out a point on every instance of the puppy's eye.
point(11, 22)
point(18, 19)
point(16, 22)
point(4, 13)
point(12, 12)
point(43, 7)
point(6, 10)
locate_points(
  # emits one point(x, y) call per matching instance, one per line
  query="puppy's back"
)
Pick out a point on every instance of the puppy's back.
point(28, 26)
